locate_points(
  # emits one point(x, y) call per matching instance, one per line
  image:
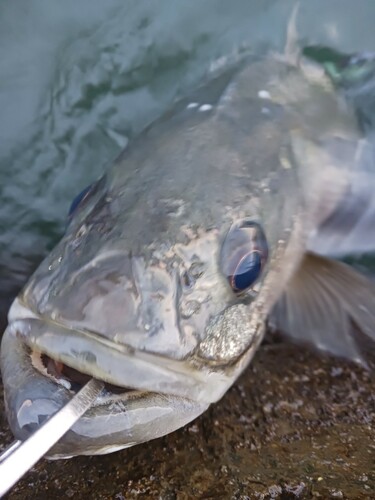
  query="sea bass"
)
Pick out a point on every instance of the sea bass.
point(219, 218)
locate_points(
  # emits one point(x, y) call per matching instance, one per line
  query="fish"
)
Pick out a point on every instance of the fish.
point(225, 217)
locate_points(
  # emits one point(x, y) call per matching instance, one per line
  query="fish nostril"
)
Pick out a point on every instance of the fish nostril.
point(190, 276)
point(196, 270)
point(187, 280)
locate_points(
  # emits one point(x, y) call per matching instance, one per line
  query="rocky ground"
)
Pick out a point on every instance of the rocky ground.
point(296, 425)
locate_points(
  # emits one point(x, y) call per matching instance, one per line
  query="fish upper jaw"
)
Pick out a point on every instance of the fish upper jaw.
point(199, 378)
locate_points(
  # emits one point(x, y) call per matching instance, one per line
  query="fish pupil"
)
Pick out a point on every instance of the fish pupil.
point(247, 271)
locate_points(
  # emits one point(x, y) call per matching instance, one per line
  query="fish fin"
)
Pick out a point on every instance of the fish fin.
point(324, 303)
point(339, 197)
point(350, 227)
point(292, 50)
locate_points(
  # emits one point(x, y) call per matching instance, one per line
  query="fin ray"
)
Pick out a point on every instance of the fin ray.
point(323, 304)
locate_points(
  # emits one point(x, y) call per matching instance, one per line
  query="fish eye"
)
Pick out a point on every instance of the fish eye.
point(243, 255)
point(78, 200)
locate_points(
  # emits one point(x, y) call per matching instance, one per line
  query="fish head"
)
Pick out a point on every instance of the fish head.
point(168, 328)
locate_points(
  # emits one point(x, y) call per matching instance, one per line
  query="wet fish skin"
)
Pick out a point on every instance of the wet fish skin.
point(113, 299)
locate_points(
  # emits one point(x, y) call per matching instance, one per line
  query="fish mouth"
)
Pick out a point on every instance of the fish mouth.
point(36, 386)
point(145, 395)
point(67, 376)
point(38, 383)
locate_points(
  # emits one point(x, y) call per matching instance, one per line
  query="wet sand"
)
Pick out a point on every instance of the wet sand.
point(295, 425)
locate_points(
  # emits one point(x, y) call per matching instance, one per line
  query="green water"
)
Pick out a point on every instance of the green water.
point(79, 78)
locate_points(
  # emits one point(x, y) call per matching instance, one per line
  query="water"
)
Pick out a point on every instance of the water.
point(79, 78)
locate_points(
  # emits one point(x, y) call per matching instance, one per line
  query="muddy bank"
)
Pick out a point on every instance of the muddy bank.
point(296, 425)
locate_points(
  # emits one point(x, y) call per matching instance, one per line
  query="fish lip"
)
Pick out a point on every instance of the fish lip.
point(113, 422)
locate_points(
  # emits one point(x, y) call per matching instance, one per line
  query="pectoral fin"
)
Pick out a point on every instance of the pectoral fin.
point(350, 228)
point(337, 175)
point(324, 304)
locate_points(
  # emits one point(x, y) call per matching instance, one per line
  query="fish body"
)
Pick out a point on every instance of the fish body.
point(175, 260)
